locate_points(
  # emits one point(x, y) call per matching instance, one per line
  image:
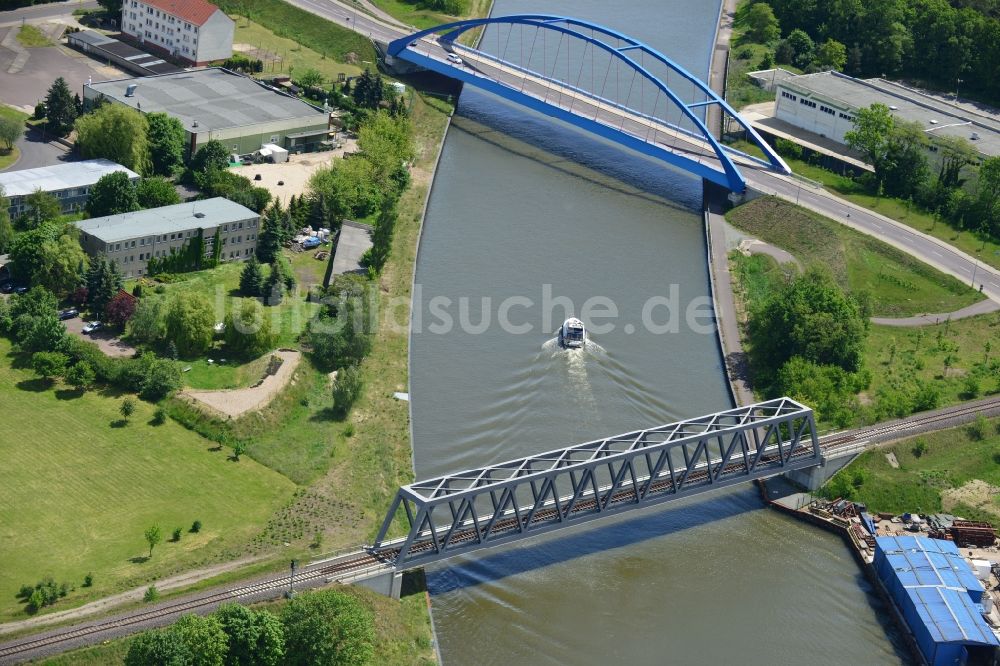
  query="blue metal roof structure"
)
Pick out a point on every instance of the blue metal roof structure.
point(938, 594)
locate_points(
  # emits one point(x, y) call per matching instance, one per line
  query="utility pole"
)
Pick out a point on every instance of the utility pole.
point(291, 581)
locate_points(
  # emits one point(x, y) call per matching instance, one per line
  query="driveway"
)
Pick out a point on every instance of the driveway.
point(37, 152)
point(106, 341)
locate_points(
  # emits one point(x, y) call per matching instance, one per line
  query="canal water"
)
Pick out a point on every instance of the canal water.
point(531, 221)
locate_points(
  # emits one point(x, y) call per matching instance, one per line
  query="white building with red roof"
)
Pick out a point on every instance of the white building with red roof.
point(192, 31)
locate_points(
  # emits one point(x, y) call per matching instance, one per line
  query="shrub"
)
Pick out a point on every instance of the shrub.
point(196, 526)
point(152, 594)
point(176, 535)
point(980, 428)
point(88, 580)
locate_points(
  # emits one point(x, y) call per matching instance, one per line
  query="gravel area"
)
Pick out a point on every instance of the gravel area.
point(108, 342)
point(236, 402)
point(293, 174)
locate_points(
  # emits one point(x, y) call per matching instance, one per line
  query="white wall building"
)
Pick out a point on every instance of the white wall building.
point(825, 104)
point(193, 31)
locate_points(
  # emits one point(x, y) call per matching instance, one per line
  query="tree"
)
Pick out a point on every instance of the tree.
point(247, 330)
point(309, 78)
point(80, 376)
point(62, 264)
point(113, 7)
point(190, 323)
point(802, 48)
point(120, 309)
point(117, 133)
point(955, 153)
point(872, 131)
point(831, 54)
point(10, 132)
point(155, 647)
point(166, 143)
point(254, 638)
point(156, 192)
point(761, 25)
point(49, 364)
point(346, 388)
point(269, 240)
point(60, 111)
point(41, 207)
point(147, 322)
point(810, 318)
point(212, 156)
point(126, 410)
point(161, 379)
point(340, 335)
point(904, 170)
point(104, 280)
point(368, 90)
point(152, 534)
point(252, 278)
point(191, 641)
point(34, 323)
point(327, 627)
point(113, 193)
point(6, 229)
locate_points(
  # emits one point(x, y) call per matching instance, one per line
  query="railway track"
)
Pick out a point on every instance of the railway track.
point(346, 569)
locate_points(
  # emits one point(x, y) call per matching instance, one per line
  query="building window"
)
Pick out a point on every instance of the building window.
point(788, 95)
point(118, 246)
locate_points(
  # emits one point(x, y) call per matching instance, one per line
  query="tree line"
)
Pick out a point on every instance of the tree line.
point(935, 42)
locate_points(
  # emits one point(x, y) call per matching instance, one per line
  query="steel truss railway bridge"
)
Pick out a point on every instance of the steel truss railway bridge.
point(594, 78)
point(514, 500)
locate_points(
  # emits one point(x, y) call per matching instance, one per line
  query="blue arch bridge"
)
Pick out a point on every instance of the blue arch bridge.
point(596, 79)
point(517, 499)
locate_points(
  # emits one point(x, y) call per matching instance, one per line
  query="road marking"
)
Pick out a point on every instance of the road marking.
point(937, 253)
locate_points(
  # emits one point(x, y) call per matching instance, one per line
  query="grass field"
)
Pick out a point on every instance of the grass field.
point(8, 157)
point(411, 14)
point(899, 284)
point(949, 459)
point(77, 492)
point(293, 55)
point(31, 36)
point(324, 37)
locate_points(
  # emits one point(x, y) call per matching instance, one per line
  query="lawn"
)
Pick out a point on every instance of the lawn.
point(31, 36)
point(411, 13)
point(77, 491)
point(900, 285)
point(973, 243)
point(947, 460)
point(8, 157)
point(323, 37)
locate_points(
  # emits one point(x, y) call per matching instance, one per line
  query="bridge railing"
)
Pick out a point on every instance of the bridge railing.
point(500, 503)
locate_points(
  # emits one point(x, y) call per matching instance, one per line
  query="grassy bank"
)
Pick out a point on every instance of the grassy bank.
point(282, 54)
point(899, 284)
point(956, 471)
point(411, 14)
point(78, 490)
point(31, 37)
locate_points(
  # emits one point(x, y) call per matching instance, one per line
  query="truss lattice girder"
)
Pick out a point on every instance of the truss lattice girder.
point(496, 504)
point(621, 49)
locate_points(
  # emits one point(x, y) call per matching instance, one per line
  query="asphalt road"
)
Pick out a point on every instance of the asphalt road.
point(43, 12)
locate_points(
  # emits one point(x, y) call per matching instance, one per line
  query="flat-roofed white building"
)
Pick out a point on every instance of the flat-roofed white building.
point(194, 31)
point(825, 103)
point(69, 182)
point(132, 239)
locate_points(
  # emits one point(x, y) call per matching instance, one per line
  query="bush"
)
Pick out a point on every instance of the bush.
point(196, 527)
point(152, 594)
point(919, 449)
point(176, 536)
point(980, 428)
point(88, 580)
point(159, 416)
point(346, 388)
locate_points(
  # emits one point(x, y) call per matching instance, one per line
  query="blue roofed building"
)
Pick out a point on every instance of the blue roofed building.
point(938, 594)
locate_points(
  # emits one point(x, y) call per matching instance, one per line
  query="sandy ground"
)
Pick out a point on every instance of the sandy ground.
point(236, 402)
point(975, 493)
point(108, 342)
point(295, 172)
point(107, 603)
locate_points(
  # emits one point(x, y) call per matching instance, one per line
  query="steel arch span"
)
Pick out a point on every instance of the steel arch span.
point(700, 153)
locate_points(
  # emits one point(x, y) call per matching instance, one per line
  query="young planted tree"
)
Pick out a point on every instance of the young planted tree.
point(153, 537)
point(10, 132)
point(127, 409)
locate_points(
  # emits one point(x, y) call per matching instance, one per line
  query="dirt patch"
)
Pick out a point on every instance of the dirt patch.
point(976, 493)
point(891, 457)
point(236, 402)
point(293, 174)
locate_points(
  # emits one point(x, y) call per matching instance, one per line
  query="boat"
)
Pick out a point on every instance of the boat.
point(572, 334)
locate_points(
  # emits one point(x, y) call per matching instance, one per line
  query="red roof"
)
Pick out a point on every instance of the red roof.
point(192, 11)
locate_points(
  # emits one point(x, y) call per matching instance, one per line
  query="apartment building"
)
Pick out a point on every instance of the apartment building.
point(193, 31)
point(69, 182)
point(132, 239)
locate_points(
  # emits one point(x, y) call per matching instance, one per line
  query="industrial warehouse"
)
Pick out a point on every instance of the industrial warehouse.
point(217, 104)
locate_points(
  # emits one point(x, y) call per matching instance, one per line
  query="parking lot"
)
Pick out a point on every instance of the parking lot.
point(107, 341)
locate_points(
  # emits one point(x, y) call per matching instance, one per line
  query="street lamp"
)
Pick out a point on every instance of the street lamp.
point(958, 82)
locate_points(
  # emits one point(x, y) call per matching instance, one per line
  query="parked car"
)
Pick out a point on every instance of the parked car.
point(91, 327)
point(69, 314)
point(21, 289)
